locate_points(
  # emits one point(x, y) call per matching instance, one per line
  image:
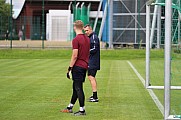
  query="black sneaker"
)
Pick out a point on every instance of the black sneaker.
point(91, 97)
point(93, 100)
point(80, 113)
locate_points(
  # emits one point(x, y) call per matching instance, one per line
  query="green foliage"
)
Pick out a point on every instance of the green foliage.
point(4, 16)
point(178, 51)
point(4, 8)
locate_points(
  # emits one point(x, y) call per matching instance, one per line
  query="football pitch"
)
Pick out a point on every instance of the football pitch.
point(33, 86)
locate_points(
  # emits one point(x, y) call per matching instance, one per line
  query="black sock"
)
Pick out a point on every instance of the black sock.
point(95, 95)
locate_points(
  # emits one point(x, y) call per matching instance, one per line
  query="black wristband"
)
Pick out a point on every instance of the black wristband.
point(70, 68)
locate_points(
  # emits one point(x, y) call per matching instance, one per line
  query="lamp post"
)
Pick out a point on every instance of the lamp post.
point(43, 23)
point(11, 23)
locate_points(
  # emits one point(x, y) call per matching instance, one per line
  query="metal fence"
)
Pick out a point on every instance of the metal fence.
point(40, 24)
point(129, 20)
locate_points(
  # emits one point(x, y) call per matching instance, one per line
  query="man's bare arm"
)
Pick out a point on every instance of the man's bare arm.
point(74, 57)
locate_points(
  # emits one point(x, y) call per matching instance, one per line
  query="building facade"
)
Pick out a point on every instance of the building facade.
point(30, 19)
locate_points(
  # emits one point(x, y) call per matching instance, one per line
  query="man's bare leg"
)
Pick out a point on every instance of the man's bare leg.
point(93, 83)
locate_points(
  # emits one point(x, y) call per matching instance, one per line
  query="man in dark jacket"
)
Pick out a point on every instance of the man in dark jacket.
point(94, 60)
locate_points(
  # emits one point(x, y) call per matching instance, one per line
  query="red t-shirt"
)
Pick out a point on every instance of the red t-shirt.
point(82, 43)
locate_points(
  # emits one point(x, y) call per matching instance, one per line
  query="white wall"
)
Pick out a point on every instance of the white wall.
point(58, 25)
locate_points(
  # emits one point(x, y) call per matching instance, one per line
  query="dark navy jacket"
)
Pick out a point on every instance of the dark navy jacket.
point(94, 59)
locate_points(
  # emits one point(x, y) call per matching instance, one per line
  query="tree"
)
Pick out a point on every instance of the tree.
point(4, 17)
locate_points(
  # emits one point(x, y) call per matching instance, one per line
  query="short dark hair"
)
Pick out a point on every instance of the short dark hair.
point(88, 25)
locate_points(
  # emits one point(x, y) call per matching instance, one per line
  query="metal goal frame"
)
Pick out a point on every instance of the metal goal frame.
point(167, 67)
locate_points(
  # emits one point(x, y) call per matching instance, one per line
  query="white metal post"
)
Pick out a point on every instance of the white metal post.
point(81, 13)
point(179, 18)
point(159, 27)
point(70, 4)
point(136, 19)
point(153, 24)
point(97, 16)
point(111, 24)
point(103, 20)
point(76, 7)
point(168, 27)
point(88, 11)
point(82, 5)
point(147, 46)
point(179, 31)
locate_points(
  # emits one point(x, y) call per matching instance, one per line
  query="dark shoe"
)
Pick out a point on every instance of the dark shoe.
point(66, 110)
point(91, 97)
point(79, 113)
point(93, 100)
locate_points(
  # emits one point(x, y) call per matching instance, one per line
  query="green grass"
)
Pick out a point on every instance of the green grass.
point(37, 89)
point(157, 79)
point(33, 86)
point(65, 54)
point(124, 54)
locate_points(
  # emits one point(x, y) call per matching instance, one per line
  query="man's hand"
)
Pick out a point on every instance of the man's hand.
point(69, 72)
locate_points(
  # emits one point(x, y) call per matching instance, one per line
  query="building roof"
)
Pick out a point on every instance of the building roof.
point(18, 4)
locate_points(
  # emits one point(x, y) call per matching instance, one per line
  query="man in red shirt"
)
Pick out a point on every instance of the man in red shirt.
point(78, 67)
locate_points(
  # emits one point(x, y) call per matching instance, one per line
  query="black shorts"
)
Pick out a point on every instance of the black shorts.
point(78, 74)
point(92, 72)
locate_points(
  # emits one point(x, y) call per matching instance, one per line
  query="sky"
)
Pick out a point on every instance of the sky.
point(17, 6)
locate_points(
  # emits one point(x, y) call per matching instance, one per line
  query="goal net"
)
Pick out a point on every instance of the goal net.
point(156, 39)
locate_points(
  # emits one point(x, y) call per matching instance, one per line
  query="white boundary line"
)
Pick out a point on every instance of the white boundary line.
point(152, 94)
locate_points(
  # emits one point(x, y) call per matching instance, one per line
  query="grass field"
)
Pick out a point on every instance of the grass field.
point(33, 86)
